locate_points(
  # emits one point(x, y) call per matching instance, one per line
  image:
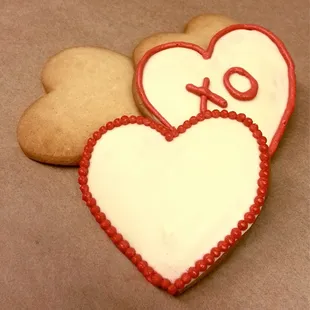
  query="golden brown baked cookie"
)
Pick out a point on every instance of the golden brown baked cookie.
point(86, 87)
point(199, 30)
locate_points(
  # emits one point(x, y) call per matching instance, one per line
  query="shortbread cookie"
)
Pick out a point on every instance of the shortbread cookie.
point(176, 202)
point(85, 88)
point(244, 68)
point(198, 30)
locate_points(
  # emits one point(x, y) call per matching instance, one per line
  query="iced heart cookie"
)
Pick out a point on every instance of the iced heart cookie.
point(245, 68)
point(85, 87)
point(174, 202)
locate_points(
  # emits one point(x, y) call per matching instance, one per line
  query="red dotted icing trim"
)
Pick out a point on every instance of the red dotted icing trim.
point(206, 54)
point(204, 263)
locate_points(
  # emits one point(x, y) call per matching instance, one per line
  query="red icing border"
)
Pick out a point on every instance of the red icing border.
point(205, 262)
point(206, 54)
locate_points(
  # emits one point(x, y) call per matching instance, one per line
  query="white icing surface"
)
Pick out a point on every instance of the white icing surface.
point(167, 73)
point(174, 201)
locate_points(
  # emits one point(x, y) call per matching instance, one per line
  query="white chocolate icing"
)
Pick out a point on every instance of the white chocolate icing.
point(174, 201)
point(167, 73)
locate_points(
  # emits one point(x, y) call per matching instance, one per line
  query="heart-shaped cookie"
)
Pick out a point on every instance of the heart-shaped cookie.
point(199, 30)
point(86, 87)
point(245, 68)
point(174, 202)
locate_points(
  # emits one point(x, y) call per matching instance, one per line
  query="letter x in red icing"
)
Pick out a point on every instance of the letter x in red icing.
point(206, 94)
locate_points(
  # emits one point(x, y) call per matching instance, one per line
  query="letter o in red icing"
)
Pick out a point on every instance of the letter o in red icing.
point(242, 96)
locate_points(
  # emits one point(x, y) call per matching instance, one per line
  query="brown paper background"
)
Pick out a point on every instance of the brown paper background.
point(52, 253)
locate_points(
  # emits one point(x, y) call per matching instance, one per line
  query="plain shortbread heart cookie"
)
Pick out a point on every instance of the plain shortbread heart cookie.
point(86, 87)
point(199, 30)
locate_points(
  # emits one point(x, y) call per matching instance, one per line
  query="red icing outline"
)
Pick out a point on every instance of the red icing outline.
point(205, 93)
point(242, 96)
point(206, 54)
point(205, 262)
